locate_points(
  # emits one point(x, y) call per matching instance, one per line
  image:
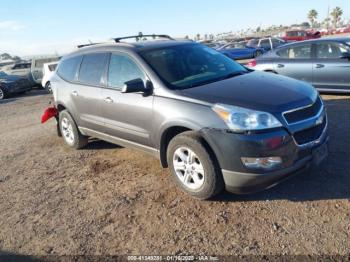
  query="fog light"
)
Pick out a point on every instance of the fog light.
point(262, 162)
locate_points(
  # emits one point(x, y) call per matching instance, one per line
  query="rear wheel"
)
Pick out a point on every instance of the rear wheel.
point(2, 93)
point(48, 87)
point(70, 132)
point(193, 166)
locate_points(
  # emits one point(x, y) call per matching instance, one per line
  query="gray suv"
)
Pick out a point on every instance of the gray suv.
point(213, 122)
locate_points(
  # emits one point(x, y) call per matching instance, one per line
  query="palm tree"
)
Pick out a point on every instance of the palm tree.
point(312, 15)
point(336, 15)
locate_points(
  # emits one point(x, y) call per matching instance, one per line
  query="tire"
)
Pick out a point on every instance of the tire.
point(3, 94)
point(48, 88)
point(206, 180)
point(70, 132)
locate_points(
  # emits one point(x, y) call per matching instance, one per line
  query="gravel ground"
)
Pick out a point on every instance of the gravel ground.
point(110, 200)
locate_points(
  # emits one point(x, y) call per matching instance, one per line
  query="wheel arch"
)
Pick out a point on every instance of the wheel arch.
point(172, 131)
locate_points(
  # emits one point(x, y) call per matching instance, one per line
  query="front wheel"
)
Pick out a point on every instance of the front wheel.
point(70, 132)
point(193, 166)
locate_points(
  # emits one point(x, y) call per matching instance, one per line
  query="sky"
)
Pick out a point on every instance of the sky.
point(29, 27)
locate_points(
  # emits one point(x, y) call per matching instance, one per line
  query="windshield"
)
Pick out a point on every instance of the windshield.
point(186, 66)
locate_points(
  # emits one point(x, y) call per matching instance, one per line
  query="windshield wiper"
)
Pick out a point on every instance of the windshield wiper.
point(231, 75)
point(234, 74)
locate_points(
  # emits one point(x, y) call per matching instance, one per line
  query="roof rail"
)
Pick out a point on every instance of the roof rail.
point(81, 46)
point(140, 36)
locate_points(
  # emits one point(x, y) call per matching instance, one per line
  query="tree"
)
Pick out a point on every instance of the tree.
point(312, 15)
point(198, 36)
point(5, 56)
point(336, 16)
point(305, 24)
point(325, 22)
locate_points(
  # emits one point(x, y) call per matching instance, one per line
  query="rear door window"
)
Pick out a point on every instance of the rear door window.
point(68, 68)
point(122, 69)
point(297, 52)
point(92, 68)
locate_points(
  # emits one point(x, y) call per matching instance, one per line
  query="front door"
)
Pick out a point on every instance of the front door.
point(330, 70)
point(126, 115)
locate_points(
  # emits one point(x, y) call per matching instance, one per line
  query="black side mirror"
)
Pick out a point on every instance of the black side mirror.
point(345, 55)
point(135, 86)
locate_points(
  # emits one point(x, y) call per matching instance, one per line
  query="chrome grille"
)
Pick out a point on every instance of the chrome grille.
point(304, 113)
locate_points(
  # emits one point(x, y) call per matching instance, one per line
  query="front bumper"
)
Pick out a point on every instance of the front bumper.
point(229, 148)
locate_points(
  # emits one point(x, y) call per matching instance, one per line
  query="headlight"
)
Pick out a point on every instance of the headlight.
point(243, 119)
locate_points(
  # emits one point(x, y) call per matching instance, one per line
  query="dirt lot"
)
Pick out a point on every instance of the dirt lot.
point(110, 200)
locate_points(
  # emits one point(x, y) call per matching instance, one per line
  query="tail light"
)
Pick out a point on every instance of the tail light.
point(252, 63)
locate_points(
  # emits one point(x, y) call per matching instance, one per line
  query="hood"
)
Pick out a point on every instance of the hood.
point(256, 90)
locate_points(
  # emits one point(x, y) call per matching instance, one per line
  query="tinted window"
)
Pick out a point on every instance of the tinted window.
point(265, 44)
point(40, 62)
point(330, 50)
point(68, 68)
point(122, 69)
point(277, 42)
point(52, 67)
point(236, 45)
point(298, 52)
point(92, 68)
point(186, 66)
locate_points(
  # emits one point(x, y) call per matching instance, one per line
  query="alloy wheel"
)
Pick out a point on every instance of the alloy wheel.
point(1, 94)
point(67, 131)
point(188, 168)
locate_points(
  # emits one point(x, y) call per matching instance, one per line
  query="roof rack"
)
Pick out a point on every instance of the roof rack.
point(81, 46)
point(140, 36)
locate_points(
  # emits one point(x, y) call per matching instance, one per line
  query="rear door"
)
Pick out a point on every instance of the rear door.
point(295, 61)
point(85, 74)
point(330, 70)
point(127, 116)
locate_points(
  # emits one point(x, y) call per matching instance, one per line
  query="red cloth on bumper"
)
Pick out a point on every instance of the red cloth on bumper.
point(49, 112)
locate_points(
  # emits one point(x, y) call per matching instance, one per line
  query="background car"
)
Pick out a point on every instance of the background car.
point(33, 70)
point(299, 35)
point(19, 69)
point(37, 65)
point(49, 70)
point(325, 63)
point(267, 43)
point(13, 84)
point(240, 50)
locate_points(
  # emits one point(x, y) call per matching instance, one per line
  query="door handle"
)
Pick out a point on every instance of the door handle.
point(280, 65)
point(75, 93)
point(319, 66)
point(108, 100)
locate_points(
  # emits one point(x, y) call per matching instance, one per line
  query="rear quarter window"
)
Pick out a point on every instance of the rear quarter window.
point(52, 67)
point(68, 68)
